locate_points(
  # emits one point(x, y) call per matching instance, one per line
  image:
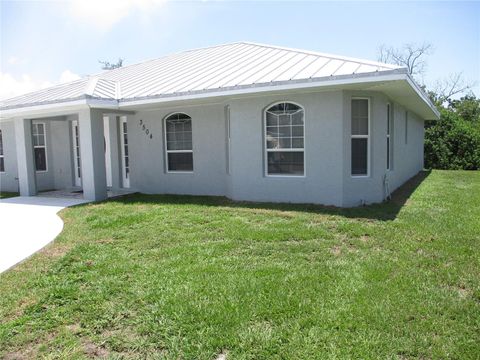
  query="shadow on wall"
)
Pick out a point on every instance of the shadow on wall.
point(387, 210)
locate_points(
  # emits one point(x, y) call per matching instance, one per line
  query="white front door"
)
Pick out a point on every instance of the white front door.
point(124, 152)
point(108, 158)
point(77, 166)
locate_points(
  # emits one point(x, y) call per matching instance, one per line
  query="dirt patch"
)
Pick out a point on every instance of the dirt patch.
point(336, 250)
point(15, 356)
point(74, 328)
point(94, 351)
point(222, 356)
point(55, 250)
point(364, 238)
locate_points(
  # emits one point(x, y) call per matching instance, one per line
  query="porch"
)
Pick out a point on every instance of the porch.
point(82, 155)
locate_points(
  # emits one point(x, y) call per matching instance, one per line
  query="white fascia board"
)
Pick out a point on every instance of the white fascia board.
point(59, 107)
point(43, 109)
point(260, 88)
point(423, 96)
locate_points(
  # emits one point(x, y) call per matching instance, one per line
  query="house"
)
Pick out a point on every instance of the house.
point(243, 120)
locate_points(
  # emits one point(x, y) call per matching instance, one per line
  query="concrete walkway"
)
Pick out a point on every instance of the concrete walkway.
point(27, 224)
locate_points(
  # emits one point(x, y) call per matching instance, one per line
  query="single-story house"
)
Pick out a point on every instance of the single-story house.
point(242, 120)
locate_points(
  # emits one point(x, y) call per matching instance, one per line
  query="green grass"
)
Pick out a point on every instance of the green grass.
point(4, 195)
point(180, 277)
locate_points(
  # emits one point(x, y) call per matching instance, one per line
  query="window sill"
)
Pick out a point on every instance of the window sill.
point(285, 176)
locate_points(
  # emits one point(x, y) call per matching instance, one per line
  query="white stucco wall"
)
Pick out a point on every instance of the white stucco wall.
point(147, 156)
point(327, 177)
point(407, 158)
point(8, 181)
point(323, 161)
point(59, 160)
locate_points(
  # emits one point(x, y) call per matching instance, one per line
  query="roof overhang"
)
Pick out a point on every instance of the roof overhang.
point(397, 85)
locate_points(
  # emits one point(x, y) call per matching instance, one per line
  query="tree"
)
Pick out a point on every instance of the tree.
point(414, 58)
point(448, 87)
point(467, 107)
point(110, 66)
point(411, 56)
point(453, 142)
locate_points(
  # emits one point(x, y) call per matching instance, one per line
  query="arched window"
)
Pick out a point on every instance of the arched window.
point(284, 139)
point(178, 143)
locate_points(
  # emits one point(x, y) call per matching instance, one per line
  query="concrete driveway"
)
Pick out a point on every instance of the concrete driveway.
point(27, 224)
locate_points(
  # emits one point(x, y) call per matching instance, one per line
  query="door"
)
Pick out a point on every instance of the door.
point(76, 154)
point(108, 158)
point(124, 152)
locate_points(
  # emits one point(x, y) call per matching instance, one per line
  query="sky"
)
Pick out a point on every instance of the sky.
point(47, 42)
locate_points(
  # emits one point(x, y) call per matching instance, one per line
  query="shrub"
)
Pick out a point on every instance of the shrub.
point(453, 142)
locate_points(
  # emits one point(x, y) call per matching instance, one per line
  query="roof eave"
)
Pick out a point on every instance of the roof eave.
point(66, 105)
point(312, 83)
point(423, 96)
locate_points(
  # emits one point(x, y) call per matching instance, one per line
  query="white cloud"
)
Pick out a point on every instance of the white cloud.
point(11, 86)
point(68, 76)
point(103, 14)
point(13, 60)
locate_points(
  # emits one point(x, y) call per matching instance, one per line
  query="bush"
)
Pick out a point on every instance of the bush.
point(453, 142)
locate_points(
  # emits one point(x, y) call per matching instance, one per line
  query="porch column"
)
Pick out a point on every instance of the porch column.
point(92, 151)
point(115, 151)
point(25, 159)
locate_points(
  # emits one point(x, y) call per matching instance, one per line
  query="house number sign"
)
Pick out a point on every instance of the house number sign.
point(145, 129)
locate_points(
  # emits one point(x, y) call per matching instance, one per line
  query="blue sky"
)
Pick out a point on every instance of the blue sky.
point(45, 42)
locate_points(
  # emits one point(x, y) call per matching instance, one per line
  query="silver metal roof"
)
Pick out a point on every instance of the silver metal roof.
point(212, 69)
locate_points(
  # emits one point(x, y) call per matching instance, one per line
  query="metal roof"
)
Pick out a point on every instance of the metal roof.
point(210, 69)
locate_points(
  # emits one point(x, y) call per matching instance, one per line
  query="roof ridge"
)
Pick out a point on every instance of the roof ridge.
point(165, 56)
point(322, 54)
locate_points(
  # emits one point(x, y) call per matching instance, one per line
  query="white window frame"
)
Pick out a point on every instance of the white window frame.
point(389, 137)
point(41, 146)
point(228, 138)
point(361, 137)
point(167, 170)
point(267, 150)
point(77, 165)
point(406, 127)
point(125, 176)
point(2, 154)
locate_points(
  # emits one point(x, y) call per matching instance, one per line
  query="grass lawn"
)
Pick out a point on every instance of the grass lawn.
point(181, 277)
point(4, 195)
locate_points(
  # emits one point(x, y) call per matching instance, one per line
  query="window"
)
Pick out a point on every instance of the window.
point(39, 146)
point(124, 152)
point(227, 130)
point(178, 136)
point(406, 127)
point(360, 128)
point(2, 157)
point(284, 139)
point(389, 129)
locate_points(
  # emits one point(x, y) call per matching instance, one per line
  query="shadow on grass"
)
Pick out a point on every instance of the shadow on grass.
point(388, 210)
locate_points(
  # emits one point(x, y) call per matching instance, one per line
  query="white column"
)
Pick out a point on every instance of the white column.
point(25, 160)
point(92, 151)
point(115, 159)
